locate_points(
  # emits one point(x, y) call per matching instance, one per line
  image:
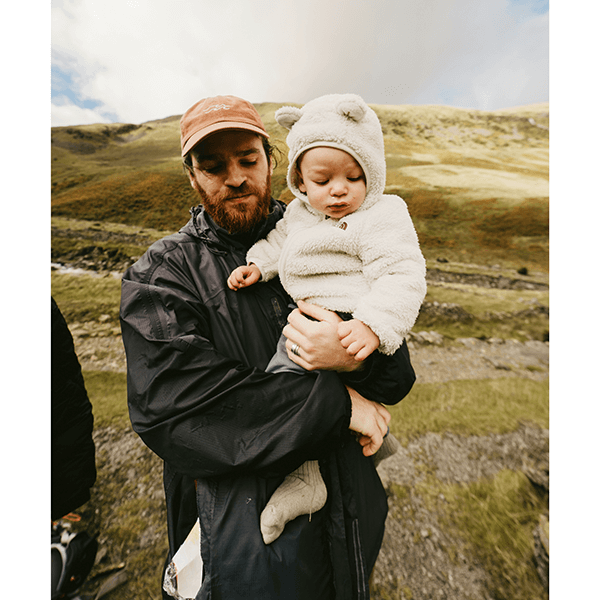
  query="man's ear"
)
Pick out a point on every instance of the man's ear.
point(193, 181)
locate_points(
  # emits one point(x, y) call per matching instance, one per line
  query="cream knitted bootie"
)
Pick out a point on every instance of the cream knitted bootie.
point(388, 448)
point(302, 492)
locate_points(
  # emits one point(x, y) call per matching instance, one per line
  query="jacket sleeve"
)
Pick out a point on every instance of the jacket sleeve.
point(395, 268)
point(386, 379)
point(206, 413)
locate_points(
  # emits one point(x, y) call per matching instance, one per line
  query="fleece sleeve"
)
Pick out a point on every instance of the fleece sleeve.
point(266, 252)
point(395, 269)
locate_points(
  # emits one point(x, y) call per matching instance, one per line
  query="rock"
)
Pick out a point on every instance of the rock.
point(483, 280)
point(497, 364)
point(426, 337)
point(448, 311)
point(469, 342)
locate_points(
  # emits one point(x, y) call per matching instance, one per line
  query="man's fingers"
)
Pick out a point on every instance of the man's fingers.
point(370, 445)
point(295, 336)
point(319, 313)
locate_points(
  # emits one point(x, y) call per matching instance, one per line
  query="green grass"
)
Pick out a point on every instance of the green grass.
point(107, 392)
point(81, 226)
point(481, 231)
point(471, 407)
point(521, 329)
point(86, 297)
point(495, 312)
point(144, 560)
point(117, 510)
point(62, 247)
point(479, 300)
point(492, 520)
point(496, 518)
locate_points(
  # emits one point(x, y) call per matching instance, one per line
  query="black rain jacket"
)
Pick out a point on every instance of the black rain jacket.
point(229, 433)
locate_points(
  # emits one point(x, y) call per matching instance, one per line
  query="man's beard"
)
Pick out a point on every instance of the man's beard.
point(240, 217)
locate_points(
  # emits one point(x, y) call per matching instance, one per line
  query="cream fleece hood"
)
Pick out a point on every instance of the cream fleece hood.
point(341, 121)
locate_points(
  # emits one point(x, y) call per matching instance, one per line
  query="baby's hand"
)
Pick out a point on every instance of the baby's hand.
point(358, 339)
point(243, 276)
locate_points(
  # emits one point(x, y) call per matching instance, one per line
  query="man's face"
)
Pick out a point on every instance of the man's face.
point(233, 177)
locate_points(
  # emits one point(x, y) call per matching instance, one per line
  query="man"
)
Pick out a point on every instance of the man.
point(227, 431)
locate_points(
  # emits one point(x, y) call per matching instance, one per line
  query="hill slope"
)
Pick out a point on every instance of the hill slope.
point(476, 182)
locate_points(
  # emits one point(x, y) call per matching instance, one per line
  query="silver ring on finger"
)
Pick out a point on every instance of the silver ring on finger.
point(295, 349)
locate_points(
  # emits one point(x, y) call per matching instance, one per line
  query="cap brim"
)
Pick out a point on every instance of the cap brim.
point(236, 125)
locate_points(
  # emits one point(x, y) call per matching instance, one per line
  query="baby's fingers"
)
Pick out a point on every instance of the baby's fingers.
point(232, 283)
point(344, 329)
point(362, 354)
point(236, 279)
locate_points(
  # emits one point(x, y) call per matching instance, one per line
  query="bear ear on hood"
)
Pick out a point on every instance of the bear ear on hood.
point(286, 116)
point(352, 108)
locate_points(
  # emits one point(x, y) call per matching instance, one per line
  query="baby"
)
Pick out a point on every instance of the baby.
point(344, 245)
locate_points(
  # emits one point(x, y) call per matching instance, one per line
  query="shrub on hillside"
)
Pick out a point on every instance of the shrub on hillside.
point(148, 199)
point(425, 204)
point(529, 219)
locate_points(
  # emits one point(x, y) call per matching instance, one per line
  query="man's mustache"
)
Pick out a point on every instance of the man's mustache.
point(244, 190)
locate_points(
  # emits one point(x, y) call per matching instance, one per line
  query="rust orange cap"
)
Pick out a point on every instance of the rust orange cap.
point(213, 114)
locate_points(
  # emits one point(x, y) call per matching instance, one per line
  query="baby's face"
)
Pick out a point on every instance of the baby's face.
point(332, 180)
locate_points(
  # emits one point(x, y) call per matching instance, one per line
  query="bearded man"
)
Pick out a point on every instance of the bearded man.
point(228, 432)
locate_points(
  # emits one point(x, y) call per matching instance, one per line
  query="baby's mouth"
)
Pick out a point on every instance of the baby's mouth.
point(338, 207)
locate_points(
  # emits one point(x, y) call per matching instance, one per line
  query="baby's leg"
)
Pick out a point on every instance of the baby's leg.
point(302, 492)
point(281, 362)
point(390, 446)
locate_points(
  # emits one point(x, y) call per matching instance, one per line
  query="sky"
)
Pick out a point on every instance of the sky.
point(134, 61)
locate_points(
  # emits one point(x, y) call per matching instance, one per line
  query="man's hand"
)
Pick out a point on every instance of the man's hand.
point(316, 343)
point(369, 420)
point(358, 339)
point(243, 276)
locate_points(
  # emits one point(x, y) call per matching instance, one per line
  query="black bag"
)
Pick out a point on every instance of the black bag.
point(73, 556)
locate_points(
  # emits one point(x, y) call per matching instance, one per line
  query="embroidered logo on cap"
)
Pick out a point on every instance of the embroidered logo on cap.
point(217, 107)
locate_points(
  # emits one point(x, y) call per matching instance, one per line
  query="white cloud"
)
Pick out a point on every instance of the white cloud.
point(148, 59)
point(64, 112)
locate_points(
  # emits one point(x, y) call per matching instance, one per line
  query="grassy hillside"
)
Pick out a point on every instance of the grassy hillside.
point(476, 182)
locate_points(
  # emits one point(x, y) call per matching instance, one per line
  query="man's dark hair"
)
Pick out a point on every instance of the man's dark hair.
point(269, 149)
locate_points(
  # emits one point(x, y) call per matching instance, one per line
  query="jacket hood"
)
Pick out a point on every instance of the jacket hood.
point(341, 121)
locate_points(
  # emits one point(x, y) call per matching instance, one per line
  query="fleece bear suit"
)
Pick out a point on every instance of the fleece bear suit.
point(367, 263)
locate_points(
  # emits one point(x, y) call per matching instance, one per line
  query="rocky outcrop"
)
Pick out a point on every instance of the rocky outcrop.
point(481, 280)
